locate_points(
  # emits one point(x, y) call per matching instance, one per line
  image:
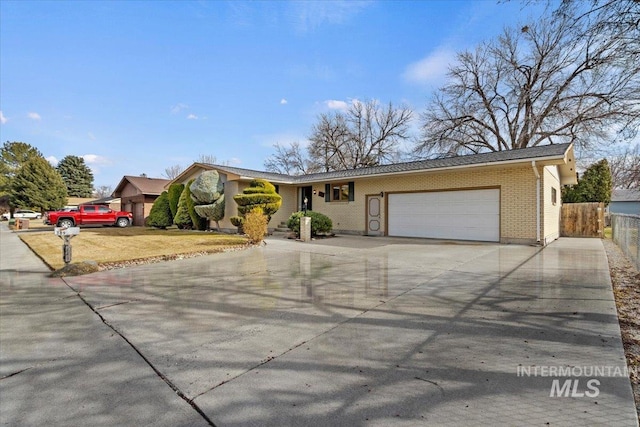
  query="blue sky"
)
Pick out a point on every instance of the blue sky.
point(136, 87)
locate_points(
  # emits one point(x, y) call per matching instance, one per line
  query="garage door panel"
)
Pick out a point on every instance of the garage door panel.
point(462, 215)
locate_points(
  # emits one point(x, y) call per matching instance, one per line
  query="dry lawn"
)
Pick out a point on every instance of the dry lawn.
point(625, 280)
point(110, 246)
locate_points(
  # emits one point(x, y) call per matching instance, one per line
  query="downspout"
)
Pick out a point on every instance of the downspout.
point(535, 171)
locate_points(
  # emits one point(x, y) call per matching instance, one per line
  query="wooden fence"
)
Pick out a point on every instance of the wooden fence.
point(582, 220)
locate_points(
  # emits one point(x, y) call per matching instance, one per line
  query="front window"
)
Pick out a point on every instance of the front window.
point(340, 192)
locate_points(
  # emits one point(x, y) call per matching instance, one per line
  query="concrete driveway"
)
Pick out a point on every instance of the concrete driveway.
point(345, 331)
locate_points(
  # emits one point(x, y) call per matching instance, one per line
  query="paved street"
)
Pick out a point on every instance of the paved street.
point(344, 331)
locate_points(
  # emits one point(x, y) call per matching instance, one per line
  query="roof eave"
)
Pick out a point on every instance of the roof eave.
point(549, 160)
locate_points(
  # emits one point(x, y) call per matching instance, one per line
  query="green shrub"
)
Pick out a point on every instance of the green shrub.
point(261, 194)
point(182, 218)
point(160, 215)
point(319, 223)
point(197, 222)
point(255, 225)
point(207, 188)
point(214, 211)
point(175, 190)
point(237, 222)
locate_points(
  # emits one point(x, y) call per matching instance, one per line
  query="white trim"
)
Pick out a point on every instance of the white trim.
point(535, 171)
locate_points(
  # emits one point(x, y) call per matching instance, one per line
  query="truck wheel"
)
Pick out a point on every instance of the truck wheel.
point(65, 223)
point(122, 222)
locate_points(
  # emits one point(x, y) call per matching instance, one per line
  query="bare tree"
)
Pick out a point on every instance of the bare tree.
point(367, 134)
point(557, 80)
point(102, 191)
point(172, 171)
point(289, 160)
point(329, 139)
point(625, 168)
point(207, 158)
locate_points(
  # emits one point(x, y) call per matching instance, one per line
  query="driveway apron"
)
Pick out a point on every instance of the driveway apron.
point(60, 365)
point(368, 331)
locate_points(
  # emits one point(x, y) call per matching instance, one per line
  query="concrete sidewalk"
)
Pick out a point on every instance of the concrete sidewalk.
point(346, 331)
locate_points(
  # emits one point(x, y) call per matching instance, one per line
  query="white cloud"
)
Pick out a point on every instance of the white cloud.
point(192, 117)
point(334, 104)
point(94, 159)
point(34, 116)
point(3, 119)
point(91, 136)
point(235, 161)
point(283, 101)
point(52, 160)
point(310, 15)
point(178, 107)
point(432, 69)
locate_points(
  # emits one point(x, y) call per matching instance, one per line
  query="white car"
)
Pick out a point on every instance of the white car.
point(23, 213)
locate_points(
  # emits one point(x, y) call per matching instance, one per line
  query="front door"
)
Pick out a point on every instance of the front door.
point(308, 193)
point(374, 216)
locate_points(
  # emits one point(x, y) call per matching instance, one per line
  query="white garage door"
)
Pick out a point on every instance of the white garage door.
point(459, 215)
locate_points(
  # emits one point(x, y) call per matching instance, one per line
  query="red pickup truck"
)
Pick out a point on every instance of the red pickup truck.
point(88, 215)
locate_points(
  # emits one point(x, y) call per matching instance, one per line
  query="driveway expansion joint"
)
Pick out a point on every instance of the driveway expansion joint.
point(16, 373)
point(146, 360)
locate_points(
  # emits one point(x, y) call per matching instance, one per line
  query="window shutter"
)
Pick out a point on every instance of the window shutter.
point(327, 192)
point(352, 195)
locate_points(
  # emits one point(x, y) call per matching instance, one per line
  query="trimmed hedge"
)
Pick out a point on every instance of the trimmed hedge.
point(260, 194)
point(160, 215)
point(320, 223)
point(175, 190)
point(182, 218)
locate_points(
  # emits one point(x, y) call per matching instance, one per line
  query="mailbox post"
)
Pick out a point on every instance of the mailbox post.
point(66, 234)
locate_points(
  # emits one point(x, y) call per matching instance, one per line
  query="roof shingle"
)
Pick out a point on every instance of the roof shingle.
point(544, 151)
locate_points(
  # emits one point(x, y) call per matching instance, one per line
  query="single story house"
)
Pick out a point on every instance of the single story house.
point(77, 201)
point(625, 202)
point(508, 196)
point(137, 194)
point(111, 202)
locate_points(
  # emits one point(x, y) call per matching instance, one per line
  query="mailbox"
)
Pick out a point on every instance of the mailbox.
point(66, 234)
point(66, 231)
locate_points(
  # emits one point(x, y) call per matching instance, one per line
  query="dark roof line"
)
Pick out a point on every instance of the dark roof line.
point(544, 151)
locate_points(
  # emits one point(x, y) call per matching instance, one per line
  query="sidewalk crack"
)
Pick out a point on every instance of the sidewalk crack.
point(16, 373)
point(146, 360)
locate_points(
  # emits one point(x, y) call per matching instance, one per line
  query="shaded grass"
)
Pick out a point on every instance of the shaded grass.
point(607, 233)
point(107, 245)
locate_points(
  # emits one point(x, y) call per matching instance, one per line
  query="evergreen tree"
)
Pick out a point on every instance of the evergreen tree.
point(77, 176)
point(38, 186)
point(198, 222)
point(160, 215)
point(12, 156)
point(259, 194)
point(175, 190)
point(594, 186)
point(182, 218)
point(207, 192)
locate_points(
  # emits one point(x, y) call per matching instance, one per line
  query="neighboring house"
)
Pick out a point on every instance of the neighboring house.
point(509, 196)
point(112, 202)
point(137, 194)
point(625, 202)
point(77, 201)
